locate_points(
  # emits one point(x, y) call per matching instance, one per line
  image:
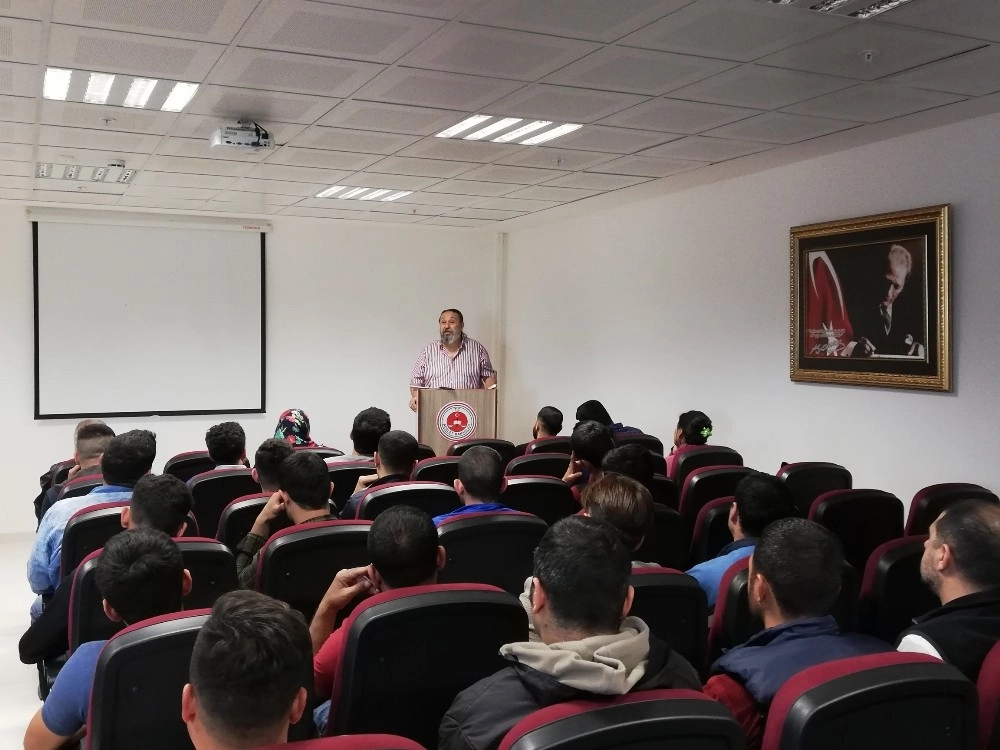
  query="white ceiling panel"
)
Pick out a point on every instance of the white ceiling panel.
point(301, 74)
point(10, 194)
point(340, 204)
point(448, 200)
point(262, 106)
point(516, 204)
point(80, 187)
point(342, 139)
point(781, 128)
point(278, 187)
point(485, 213)
point(543, 193)
point(975, 73)
point(202, 126)
point(759, 87)
point(134, 54)
point(974, 18)
point(389, 118)
point(387, 181)
point(173, 179)
point(562, 103)
point(516, 175)
point(268, 171)
point(446, 9)
point(204, 20)
point(460, 150)
point(555, 158)
point(317, 213)
point(17, 108)
point(13, 182)
point(17, 79)
point(17, 132)
point(123, 119)
point(196, 166)
point(312, 157)
point(246, 200)
point(224, 207)
point(23, 8)
point(428, 88)
point(389, 217)
point(17, 168)
point(55, 196)
point(468, 187)
point(894, 48)
point(678, 116)
point(337, 31)
point(611, 140)
point(20, 40)
point(186, 193)
point(200, 149)
point(87, 157)
point(637, 71)
point(413, 209)
point(450, 221)
point(592, 181)
point(873, 102)
point(50, 135)
point(648, 166)
point(173, 203)
point(697, 147)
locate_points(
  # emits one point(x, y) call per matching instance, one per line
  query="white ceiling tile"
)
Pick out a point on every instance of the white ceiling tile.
point(468, 187)
point(459, 150)
point(389, 217)
point(637, 71)
point(253, 200)
point(336, 31)
point(733, 31)
point(16, 108)
point(543, 193)
point(975, 18)
point(187, 193)
point(339, 204)
point(204, 20)
point(284, 71)
point(975, 73)
point(446, 221)
point(517, 175)
point(780, 128)
point(24, 9)
point(342, 139)
point(317, 213)
point(611, 140)
point(10, 194)
point(554, 158)
point(196, 166)
point(759, 87)
point(895, 48)
point(223, 206)
point(429, 88)
point(175, 203)
point(517, 204)
point(648, 166)
point(80, 186)
point(17, 168)
point(414, 209)
point(388, 181)
point(479, 50)
point(14, 182)
point(20, 40)
point(50, 135)
point(174, 179)
point(268, 171)
point(872, 102)
point(17, 132)
point(701, 148)
point(261, 106)
point(87, 157)
point(446, 9)
point(596, 20)
point(389, 118)
point(678, 116)
point(312, 157)
point(485, 213)
point(17, 79)
point(202, 126)
point(592, 181)
point(278, 187)
point(200, 149)
point(449, 200)
point(54, 196)
point(124, 119)
point(134, 54)
point(562, 103)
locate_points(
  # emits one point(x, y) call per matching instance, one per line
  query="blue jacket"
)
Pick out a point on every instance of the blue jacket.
point(709, 573)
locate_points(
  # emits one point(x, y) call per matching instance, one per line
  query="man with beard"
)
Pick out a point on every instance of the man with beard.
point(453, 361)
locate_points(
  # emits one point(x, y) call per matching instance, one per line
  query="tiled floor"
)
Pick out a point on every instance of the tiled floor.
point(18, 682)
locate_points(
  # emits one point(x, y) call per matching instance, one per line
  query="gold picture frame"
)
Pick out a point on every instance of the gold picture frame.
point(870, 301)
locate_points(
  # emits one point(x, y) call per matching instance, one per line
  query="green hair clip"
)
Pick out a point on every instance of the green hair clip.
point(706, 432)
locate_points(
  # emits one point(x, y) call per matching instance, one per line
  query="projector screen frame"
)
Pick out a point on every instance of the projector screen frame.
point(152, 413)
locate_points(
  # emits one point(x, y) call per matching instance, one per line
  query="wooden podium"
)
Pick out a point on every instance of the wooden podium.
point(445, 416)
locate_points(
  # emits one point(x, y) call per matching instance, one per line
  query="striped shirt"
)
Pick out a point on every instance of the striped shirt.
point(436, 368)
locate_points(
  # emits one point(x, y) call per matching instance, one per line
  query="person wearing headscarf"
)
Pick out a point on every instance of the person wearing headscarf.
point(293, 428)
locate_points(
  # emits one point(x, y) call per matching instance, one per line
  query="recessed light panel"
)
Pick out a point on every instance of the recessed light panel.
point(89, 87)
point(507, 130)
point(362, 193)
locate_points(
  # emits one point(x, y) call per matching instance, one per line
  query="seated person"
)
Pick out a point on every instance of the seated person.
point(760, 499)
point(303, 497)
point(693, 428)
point(594, 410)
point(293, 427)
point(140, 574)
point(961, 565)
point(127, 459)
point(248, 668)
point(267, 463)
point(633, 461)
point(394, 459)
point(589, 443)
point(480, 480)
point(227, 445)
point(548, 423)
point(795, 576)
point(580, 598)
point(369, 427)
point(46, 480)
point(91, 442)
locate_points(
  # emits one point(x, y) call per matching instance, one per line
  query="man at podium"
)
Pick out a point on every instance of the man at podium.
point(453, 361)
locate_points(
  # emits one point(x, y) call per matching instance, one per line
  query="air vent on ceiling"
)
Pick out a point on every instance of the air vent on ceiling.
point(851, 8)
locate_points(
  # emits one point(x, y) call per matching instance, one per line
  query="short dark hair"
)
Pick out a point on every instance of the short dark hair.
point(551, 419)
point(591, 441)
point(593, 411)
point(762, 499)
point(803, 563)
point(584, 567)
point(304, 476)
point(140, 573)
point(267, 461)
point(695, 426)
point(623, 503)
point(370, 425)
point(250, 659)
point(480, 469)
point(403, 544)
point(160, 503)
point(461, 318)
point(631, 460)
point(92, 440)
point(226, 443)
point(128, 457)
point(971, 529)
point(397, 451)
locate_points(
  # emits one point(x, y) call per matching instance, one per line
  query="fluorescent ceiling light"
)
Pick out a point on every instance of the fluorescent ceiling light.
point(828, 5)
point(98, 88)
point(396, 196)
point(492, 128)
point(513, 135)
point(353, 193)
point(548, 135)
point(180, 95)
point(330, 191)
point(373, 194)
point(56, 84)
point(99, 174)
point(877, 8)
point(139, 92)
point(468, 122)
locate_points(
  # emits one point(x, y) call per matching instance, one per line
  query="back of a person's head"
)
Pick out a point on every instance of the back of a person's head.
point(369, 426)
point(632, 461)
point(251, 659)
point(226, 443)
point(140, 574)
point(397, 451)
point(803, 563)
point(161, 503)
point(695, 427)
point(584, 568)
point(268, 459)
point(403, 546)
point(623, 503)
point(304, 476)
point(84, 423)
point(971, 529)
point(593, 411)
point(128, 457)
point(92, 440)
point(591, 441)
point(551, 419)
point(762, 499)
point(480, 470)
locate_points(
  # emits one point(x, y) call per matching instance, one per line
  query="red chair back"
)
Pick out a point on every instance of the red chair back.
point(443, 469)
point(675, 608)
point(929, 503)
point(892, 593)
point(214, 490)
point(433, 498)
point(807, 480)
point(988, 688)
point(505, 448)
point(539, 464)
point(546, 497)
point(861, 519)
point(188, 465)
point(711, 529)
point(556, 444)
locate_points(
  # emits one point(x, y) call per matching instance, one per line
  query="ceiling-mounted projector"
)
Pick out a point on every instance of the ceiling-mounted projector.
point(244, 135)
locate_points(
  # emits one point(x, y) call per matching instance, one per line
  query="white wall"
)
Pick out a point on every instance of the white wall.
point(349, 307)
point(682, 302)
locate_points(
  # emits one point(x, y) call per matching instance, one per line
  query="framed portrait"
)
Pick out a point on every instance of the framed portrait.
point(870, 301)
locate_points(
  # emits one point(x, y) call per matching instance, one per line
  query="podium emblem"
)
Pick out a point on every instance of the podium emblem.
point(456, 421)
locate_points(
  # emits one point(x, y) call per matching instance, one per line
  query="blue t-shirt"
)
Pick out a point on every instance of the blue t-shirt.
point(709, 573)
point(64, 712)
point(478, 508)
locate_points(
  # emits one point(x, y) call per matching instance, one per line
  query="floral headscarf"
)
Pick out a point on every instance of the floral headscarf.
point(293, 428)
